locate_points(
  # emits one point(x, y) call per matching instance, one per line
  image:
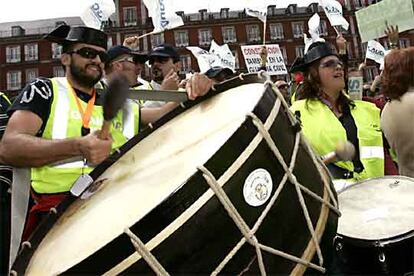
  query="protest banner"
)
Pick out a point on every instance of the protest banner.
point(355, 87)
point(373, 20)
point(275, 63)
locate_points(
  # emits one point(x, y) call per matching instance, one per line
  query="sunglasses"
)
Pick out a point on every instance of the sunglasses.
point(333, 63)
point(283, 86)
point(152, 60)
point(90, 53)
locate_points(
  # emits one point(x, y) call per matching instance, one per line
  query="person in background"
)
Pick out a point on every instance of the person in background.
point(398, 114)
point(329, 117)
point(283, 87)
point(165, 65)
point(6, 177)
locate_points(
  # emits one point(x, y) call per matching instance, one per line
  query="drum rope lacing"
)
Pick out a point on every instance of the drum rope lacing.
point(146, 254)
point(249, 234)
point(242, 225)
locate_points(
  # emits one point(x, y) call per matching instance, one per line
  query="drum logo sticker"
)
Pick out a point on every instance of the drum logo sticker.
point(257, 187)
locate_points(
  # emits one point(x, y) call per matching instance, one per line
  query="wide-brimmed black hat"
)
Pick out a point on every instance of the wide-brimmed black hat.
point(65, 34)
point(316, 51)
point(120, 50)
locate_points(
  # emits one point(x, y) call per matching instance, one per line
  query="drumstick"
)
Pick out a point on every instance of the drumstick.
point(114, 99)
point(344, 151)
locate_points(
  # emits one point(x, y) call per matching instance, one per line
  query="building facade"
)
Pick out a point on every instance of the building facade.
point(25, 56)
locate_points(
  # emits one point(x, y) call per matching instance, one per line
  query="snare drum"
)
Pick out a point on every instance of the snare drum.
point(224, 184)
point(376, 229)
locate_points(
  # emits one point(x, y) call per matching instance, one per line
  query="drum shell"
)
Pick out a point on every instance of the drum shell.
point(394, 256)
point(202, 241)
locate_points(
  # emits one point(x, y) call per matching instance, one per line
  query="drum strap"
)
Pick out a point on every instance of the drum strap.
point(348, 123)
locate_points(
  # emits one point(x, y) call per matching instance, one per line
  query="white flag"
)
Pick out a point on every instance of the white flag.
point(259, 13)
point(313, 26)
point(163, 15)
point(333, 10)
point(205, 59)
point(224, 55)
point(97, 13)
point(375, 51)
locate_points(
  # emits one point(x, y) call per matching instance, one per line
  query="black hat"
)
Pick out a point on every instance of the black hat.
point(65, 34)
point(316, 51)
point(164, 50)
point(120, 50)
point(216, 70)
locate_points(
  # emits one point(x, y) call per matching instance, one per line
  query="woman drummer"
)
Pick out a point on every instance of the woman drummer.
point(329, 117)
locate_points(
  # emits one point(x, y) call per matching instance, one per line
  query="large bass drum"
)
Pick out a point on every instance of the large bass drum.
point(224, 184)
point(376, 229)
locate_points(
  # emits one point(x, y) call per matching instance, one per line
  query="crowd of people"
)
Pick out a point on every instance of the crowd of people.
point(54, 120)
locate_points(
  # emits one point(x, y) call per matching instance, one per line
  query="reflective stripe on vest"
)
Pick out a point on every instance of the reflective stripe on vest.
point(65, 122)
point(325, 131)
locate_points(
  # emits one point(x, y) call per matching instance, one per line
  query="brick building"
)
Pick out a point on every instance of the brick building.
point(24, 55)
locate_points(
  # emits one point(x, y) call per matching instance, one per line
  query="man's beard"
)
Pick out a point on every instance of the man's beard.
point(157, 75)
point(81, 77)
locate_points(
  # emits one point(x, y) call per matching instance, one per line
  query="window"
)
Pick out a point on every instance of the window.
point(253, 33)
point(358, 3)
point(276, 31)
point(185, 63)
point(56, 51)
point(229, 34)
point(349, 50)
point(323, 29)
point(284, 54)
point(299, 51)
point(297, 29)
point(204, 37)
point(17, 31)
point(12, 54)
point(130, 16)
point(14, 80)
point(58, 71)
point(181, 38)
point(31, 74)
point(157, 39)
point(30, 52)
point(404, 43)
point(224, 13)
point(371, 72)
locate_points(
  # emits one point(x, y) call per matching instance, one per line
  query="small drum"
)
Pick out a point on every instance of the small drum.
point(224, 184)
point(376, 229)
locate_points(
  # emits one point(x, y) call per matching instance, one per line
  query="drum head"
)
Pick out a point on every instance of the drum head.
point(377, 208)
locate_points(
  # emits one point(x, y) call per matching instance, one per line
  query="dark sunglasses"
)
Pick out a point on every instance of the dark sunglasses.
point(152, 60)
point(333, 63)
point(90, 53)
point(283, 86)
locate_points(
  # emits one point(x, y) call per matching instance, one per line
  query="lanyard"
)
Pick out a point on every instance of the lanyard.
point(86, 115)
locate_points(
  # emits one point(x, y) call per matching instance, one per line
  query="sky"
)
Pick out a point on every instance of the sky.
point(27, 10)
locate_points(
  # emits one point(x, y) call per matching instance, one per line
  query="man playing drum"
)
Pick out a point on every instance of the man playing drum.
point(56, 119)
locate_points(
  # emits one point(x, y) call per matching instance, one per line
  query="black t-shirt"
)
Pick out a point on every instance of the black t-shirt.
point(37, 97)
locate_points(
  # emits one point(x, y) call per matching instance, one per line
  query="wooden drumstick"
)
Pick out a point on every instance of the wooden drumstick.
point(344, 151)
point(114, 99)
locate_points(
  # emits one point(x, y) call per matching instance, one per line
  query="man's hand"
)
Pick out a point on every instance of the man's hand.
point(392, 34)
point(171, 81)
point(198, 85)
point(95, 150)
point(131, 42)
point(341, 44)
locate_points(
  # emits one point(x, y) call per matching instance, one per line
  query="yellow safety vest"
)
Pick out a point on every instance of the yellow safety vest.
point(65, 121)
point(324, 131)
